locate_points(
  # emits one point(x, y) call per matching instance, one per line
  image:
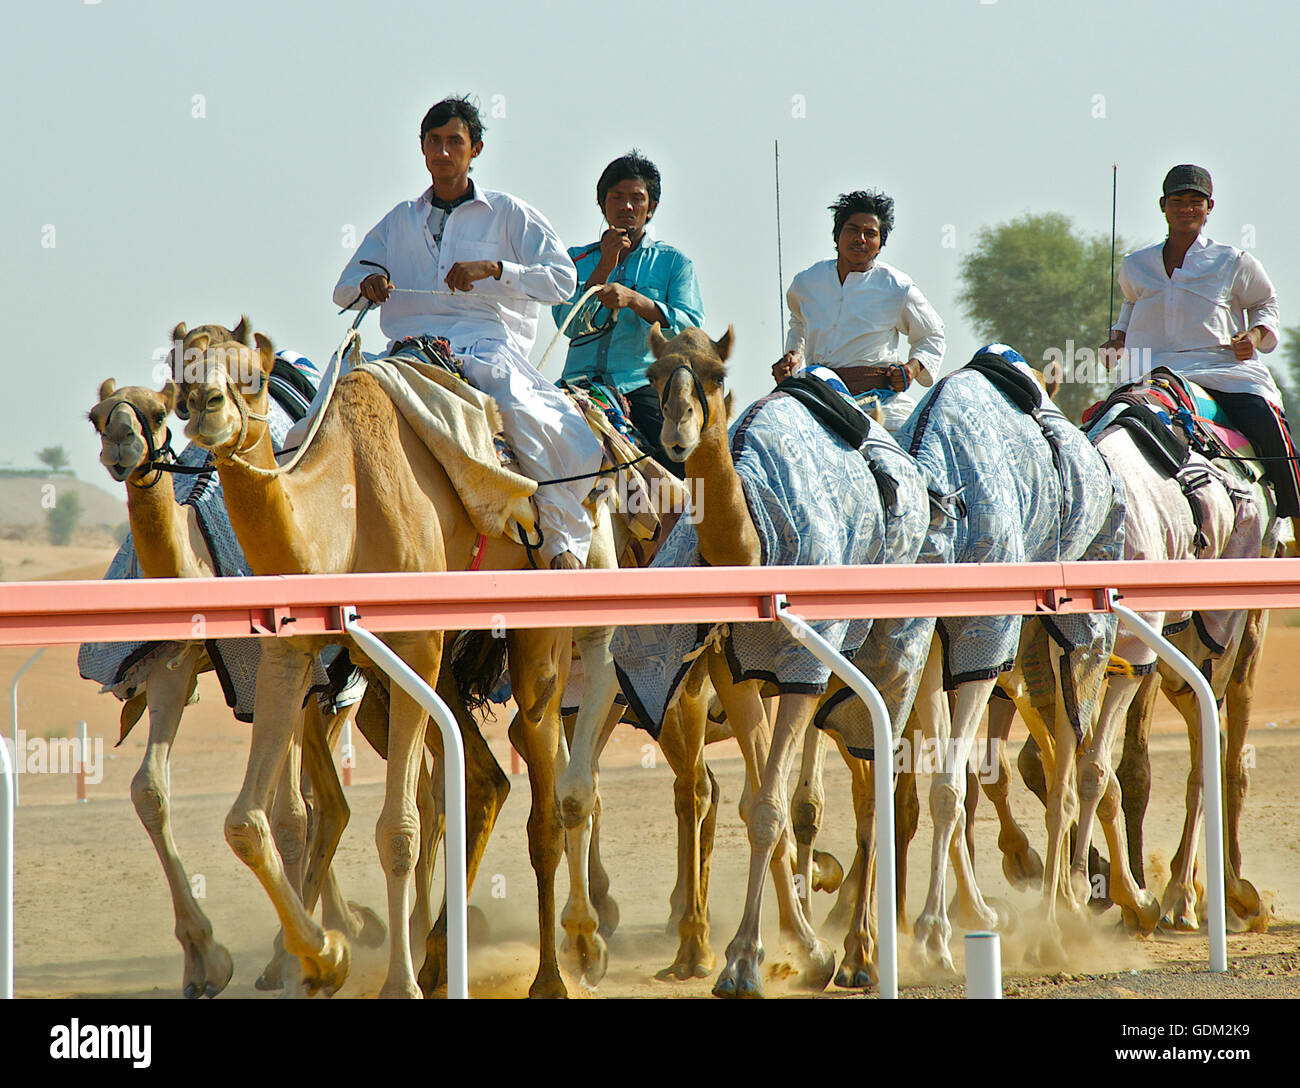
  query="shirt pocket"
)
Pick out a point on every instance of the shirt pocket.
point(478, 251)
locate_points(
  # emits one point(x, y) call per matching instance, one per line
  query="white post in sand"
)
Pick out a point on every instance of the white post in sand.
point(983, 965)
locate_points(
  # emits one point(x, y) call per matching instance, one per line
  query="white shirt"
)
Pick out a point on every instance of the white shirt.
point(491, 226)
point(858, 321)
point(1185, 321)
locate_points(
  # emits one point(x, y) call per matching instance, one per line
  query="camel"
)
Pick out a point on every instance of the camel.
point(131, 423)
point(369, 496)
point(688, 374)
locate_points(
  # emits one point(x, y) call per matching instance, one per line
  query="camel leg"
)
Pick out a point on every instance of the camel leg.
point(1241, 894)
point(1021, 864)
point(682, 742)
point(1062, 810)
point(1134, 770)
point(767, 817)
point(208, 966)
point(933, 929)
point(535, 671)
point(486, 789)
point(282, 680)
point(430, 803)
point(598, 880)
point(1099, 796)
point(806, 807)
point(1178, 904)
point(859, 969)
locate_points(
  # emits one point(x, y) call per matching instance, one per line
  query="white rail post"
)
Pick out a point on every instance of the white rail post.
point(1210, 771)
point(883, 734)
point(983, 965)
point(8, 801)
point(453, 749)
point(13, 709)
point(348, 754)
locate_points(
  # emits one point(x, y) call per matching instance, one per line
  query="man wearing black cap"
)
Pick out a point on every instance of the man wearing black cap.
point(1206, 310)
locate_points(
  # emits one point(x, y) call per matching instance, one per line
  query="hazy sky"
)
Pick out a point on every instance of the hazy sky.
point(170, 161)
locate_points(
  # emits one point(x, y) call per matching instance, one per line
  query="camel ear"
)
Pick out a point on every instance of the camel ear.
point(179, 332)
point(199, 344)
point(106, 390)
point(657, 341)
point(170, 394)
point(266, 350)
point(241, 333)
point(723, 346)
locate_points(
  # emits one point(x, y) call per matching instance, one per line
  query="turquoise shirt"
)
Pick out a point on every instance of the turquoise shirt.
point(619, 357)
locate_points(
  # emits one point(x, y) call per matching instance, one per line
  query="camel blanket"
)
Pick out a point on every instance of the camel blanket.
point(123, 667)
point(813, 500)
point(458, 423)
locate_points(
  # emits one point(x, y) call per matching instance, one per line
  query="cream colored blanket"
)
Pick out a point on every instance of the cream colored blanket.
point(458, 423)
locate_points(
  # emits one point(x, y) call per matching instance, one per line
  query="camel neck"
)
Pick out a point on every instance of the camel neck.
point(725, 528)
point(158, 529)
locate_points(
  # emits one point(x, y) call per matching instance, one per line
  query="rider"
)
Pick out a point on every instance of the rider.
point(1206, 310)
point(474, 266)
point(847, 313)
point(645, 282)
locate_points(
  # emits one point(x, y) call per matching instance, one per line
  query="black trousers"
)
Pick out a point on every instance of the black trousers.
point(648, 418)
point(1253, 416)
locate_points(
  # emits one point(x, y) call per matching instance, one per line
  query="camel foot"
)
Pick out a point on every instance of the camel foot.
point(1245, 902)
point(587, 956)
point(819, 968)
point(328, 970)
point(969, 916)
point(364, 926)
point(1023, 869)
point(272, 976)
point(857, 971)
point(694, 960)
point(548, 984)
point(827, 873)
point(608, 913)
point(399, 991)
point(932, 941)
point(740, 978)
point(207, 972)
point(1178, 910)
point(1146, 917)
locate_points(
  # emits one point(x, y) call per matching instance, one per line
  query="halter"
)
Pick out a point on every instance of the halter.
point(233, 457)
point(699, 392)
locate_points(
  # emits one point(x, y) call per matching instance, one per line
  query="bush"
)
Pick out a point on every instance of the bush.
point(64, 516)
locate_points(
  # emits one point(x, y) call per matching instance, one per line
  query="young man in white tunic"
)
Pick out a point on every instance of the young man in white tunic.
point(1206, 310)
point(848, 313)
point(475, 266)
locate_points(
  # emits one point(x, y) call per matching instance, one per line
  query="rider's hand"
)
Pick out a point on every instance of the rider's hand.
point(1111, 351)
point(375, 287)
point(787, 365)
point(614, 243)
point(464, 274)
point(1243, 346)
point(615, 296)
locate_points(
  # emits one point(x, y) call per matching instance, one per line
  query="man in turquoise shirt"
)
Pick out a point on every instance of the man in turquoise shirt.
point(645, 281)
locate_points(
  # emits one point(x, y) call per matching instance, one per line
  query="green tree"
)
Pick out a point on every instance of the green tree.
point(1040, 286)
point(64, 515)
point(55, 458)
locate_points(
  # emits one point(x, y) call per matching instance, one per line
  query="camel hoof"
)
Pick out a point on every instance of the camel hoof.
point(694, 960)
point(208, 971)
point(827, 874)
point(857, 978)
point(1245, 902)
point(397, 991)
point(819, 970)
point(1178, 911)
point(739, 981)
point(1023, 870)
point(325, 973)
point(1146, 917)
point(272, 976)
point(191, 991)
point(587, 957)
point(365, 927)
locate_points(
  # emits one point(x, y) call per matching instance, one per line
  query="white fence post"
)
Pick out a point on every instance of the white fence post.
point(1211, 785)
point(453, 761)
point(983, 965)
point(8, 798)
point(13, 711)
point(883, 734)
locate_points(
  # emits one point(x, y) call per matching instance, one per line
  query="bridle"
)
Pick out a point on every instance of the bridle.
point(699, 392)
point(237, 447)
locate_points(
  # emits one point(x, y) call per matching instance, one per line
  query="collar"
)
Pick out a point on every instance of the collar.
point(475, 195)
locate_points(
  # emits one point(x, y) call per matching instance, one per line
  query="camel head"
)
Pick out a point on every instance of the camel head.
point(132, 425)
point(222, 376)
point(688, 373)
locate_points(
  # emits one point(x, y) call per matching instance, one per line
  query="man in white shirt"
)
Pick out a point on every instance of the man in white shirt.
point(1206, 310)
point(848, 313)
point(475, 266)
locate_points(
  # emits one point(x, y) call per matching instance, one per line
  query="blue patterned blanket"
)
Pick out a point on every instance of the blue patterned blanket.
point(813, 500)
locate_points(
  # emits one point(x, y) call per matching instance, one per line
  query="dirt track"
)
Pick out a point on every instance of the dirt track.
point(93, 916)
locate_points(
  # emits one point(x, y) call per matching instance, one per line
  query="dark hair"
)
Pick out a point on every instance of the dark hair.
point(629, 166)
point(442, 112)
point(863, 200)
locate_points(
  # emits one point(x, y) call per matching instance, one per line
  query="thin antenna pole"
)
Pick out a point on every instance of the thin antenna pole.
point(780, 275)
point(1114, 191)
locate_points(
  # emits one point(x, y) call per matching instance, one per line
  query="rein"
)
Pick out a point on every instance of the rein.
point(699, 392)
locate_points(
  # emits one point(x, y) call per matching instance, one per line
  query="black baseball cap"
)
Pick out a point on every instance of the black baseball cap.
point(1182, 178)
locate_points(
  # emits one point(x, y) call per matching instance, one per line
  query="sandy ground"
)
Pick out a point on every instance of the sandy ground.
point(93, 916)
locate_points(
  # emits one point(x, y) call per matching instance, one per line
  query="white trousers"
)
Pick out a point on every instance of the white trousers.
point(550, 437)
